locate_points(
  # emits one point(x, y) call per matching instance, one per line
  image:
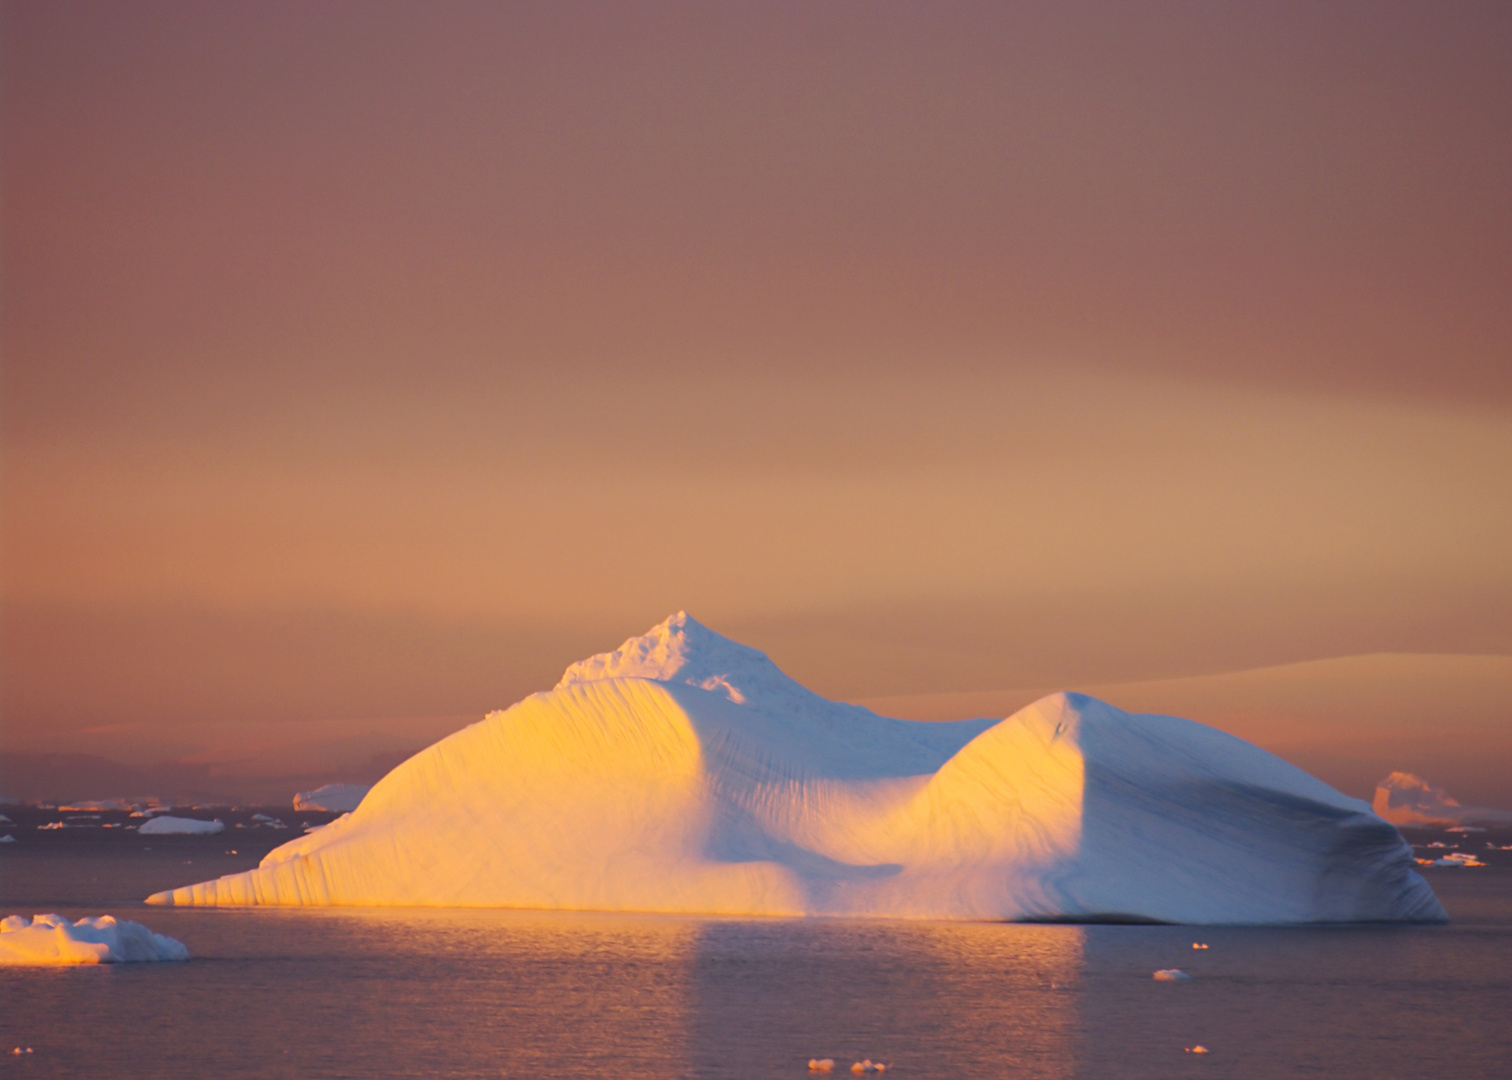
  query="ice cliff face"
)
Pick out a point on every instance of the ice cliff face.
point(685, 772)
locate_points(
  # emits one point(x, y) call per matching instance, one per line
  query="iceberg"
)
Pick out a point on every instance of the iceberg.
point(337, 798)
point(51, 940)
point(1404, 799)
point(167, 823)
point(684, 772)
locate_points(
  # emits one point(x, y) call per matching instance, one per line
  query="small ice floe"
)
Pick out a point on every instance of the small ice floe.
point(1466, 829)
point(5, 820)
point(1440, 843)
point(1198, 1049)
point(269, 820)
point(1459, 858)
point(52, 939)
point(1171, 975)
point(54, 825)
point(7, 839)
point(159, 826)
point(821, 1064)
point(868, 1066)
point(20, 1050)
point(1198, 945)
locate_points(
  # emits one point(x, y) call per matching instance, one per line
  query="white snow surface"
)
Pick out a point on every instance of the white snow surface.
point(685, 773)
point(167, 823)
point(1404, 799)
point(336, 798)
point(49, 940)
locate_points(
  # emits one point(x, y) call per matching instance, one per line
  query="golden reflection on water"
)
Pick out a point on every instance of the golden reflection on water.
point(666, 996)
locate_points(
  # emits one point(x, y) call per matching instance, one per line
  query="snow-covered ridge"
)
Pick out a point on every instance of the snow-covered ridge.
point(683, 650)
point(685, 772)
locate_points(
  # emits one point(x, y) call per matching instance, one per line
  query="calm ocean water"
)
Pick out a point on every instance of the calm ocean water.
point(424, 993)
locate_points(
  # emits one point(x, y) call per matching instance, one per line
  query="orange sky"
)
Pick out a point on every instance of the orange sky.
point(371, 362)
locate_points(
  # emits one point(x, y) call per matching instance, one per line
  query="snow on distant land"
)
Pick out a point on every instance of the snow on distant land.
point(336, 798)
point(1404, 799)
point(52, 939)
point(167, 823)
point(685, 772)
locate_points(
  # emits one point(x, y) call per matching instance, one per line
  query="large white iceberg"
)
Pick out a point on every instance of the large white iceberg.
point(52, 939)
point(1404, 799)
point(686, 773)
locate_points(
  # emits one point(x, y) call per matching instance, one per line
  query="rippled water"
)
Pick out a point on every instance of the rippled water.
point(387, 992)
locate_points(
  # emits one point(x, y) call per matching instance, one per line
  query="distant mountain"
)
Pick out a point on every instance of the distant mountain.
point(685, 772)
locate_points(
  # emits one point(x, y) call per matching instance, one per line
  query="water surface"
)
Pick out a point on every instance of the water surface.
point(404, 992)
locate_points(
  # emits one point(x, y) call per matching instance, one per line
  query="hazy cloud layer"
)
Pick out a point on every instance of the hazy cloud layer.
point(378, 360)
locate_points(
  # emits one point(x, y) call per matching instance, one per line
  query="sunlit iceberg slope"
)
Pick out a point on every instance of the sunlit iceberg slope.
point(685, 772)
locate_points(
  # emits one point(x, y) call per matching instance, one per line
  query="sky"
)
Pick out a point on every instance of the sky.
point(365, 364)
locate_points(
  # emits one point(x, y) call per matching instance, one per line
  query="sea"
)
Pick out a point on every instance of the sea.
point(400, 992)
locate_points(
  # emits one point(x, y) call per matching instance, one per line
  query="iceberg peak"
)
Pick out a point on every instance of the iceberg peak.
point(680, 649)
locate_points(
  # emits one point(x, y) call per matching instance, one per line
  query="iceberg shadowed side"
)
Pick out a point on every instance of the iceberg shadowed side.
point(685, 773)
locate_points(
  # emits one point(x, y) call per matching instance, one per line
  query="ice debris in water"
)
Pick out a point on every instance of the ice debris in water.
point(1171, 975)
point(1459, 858)
point(1198, 945)
point(1198, 1049)
point(821, 1064)
point(868, 1066)
point(52, 939)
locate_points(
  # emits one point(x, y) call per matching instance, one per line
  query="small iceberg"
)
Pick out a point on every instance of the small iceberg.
point(50, 940)
point(1405, 799)
point(336, 798)
point(162, 826)
point(1171, 975)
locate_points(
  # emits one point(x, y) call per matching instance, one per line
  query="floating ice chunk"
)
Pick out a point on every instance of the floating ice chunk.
point(1171, 975)
point(1198, 1049)
point(868, 1066)
point(821, 1065)
point(332, 797)
point(1198, 945)
point(5, 820)
point(1459, 858)
point(53, 825)
point(52, 940)
point(160, 826)
point(1466, 829)
point(7, 839)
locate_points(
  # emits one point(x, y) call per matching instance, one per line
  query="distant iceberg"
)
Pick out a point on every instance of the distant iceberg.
point(1404, 799)
point(686, 773)
point(51, 940)
point(338, 798)
point(167, 824)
